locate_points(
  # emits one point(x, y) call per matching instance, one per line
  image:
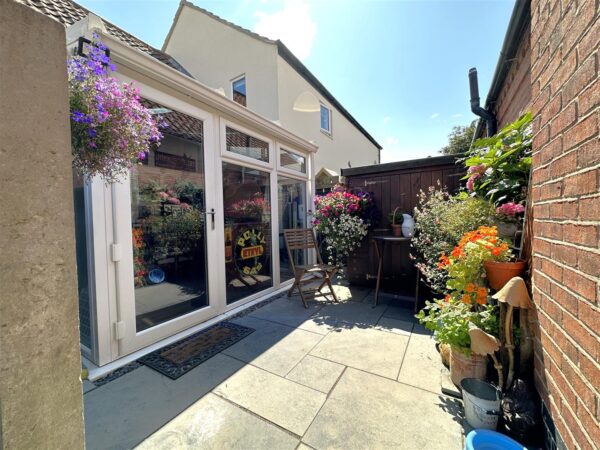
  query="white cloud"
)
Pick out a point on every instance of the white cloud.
point(386, 120)
point(434, 115)
point(292, 24)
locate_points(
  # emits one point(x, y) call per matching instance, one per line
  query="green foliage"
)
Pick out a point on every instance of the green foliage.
point(499, 165)
point(189, 192)
point(176, 234)
point(451, 321)
point(459, 140)
point(440, 222)
point(395, 217)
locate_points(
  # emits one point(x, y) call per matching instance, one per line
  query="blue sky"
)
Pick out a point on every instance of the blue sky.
point(400, 67)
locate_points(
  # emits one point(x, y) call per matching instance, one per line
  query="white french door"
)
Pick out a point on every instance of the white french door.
point(164, 228)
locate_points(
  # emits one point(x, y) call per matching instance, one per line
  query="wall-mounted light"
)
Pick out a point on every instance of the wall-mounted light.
point(82, 42)
point(307, 102)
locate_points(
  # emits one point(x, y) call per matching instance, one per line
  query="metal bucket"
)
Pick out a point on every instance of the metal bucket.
point(482, 403)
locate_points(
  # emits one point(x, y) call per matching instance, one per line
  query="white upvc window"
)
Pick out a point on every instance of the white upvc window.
point(325, 119)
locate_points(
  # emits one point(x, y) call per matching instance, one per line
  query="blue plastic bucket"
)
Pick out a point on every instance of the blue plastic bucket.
point(490, 440)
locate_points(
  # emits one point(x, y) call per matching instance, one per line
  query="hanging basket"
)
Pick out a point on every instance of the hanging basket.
point(498, 273)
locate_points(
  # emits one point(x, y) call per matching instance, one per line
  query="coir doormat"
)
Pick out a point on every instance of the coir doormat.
point(176, 359)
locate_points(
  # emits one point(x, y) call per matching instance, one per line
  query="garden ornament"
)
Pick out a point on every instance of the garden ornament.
point(484, 344)
point(515, 295)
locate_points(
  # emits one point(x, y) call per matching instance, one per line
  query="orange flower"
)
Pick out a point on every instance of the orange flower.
point(447, 298)
point(470, 287)
point(496, 251)
point(466, 299)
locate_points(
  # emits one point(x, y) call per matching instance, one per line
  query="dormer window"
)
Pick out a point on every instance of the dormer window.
point(239, 90)
point(325, 119)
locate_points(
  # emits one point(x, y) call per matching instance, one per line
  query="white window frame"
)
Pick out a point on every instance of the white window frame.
point(238, 78)
point(291, 172)
point(247, 160)
point(323, 130)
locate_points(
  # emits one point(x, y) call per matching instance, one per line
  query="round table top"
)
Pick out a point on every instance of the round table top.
point(391, 238)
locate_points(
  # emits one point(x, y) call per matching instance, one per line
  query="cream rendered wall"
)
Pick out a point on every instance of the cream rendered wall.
point(346, 143)
point(215, 54)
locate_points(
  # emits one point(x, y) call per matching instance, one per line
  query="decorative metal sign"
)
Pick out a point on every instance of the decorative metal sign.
point(250, 251)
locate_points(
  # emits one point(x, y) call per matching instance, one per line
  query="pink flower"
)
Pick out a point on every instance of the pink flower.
point(163, 195)
point(185, 206)
point(174, 201)
point(510, 209)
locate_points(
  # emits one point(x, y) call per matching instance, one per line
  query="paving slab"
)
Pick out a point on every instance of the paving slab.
point(358, 314)
point(213, 423)
point(421, 365)
point(350, 293)
point(395, 326)
point(122, 413)
point(375, 351)
point(400, 313)
point(367, 411)
point(273, 347)
point(88, 386)
point(283, 402)
point(288, 311)
point(316, 373)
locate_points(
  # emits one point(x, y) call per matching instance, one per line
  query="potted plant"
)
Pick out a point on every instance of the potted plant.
point(481, 254)
point(395, 219)
point(509, 218)
point(451, 319)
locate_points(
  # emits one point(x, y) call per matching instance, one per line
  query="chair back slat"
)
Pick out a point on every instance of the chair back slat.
point(300, 239)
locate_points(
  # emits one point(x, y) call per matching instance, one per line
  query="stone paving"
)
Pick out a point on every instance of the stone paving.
point(334, 376)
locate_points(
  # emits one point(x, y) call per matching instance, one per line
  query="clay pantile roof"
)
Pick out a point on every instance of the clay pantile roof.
point(68, 12)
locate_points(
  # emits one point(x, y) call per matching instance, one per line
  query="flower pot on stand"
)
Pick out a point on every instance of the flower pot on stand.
point(498, 273)
point(466, 366)
point(397, 230)
point(408, 225)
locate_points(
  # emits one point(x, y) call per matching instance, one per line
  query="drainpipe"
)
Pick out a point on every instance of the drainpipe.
point(488, 116)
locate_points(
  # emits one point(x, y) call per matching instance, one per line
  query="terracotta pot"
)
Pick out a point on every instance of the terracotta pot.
point(397, 230)
point(445, 354)
point(466, 366)
point(498, 273)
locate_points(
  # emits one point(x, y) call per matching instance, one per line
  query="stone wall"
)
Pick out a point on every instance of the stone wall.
point(566, 253)
point(40, 387)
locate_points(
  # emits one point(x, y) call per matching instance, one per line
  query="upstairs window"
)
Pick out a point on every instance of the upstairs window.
point(325, 119)
point(239, 90)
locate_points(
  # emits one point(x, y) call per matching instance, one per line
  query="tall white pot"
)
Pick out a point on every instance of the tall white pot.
point(408, 225)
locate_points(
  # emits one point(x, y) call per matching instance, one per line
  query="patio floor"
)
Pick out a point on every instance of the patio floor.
point(343, 375)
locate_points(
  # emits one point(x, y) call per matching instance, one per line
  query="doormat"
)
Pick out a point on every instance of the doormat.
point(177, 359)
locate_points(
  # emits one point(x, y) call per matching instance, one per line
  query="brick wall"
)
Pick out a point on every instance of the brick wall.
point(566, 265)
point(515, 97)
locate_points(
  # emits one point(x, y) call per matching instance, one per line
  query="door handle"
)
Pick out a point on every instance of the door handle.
point(212, 217)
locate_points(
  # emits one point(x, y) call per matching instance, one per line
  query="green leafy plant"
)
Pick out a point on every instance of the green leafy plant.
point(499, 166)
point(440, 222)
point(451, 320)
point(176, 234)
point(395, 217)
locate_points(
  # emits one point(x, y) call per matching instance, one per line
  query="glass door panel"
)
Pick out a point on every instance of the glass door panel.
point(247, 213)
point(291, 195)
point(168, 225)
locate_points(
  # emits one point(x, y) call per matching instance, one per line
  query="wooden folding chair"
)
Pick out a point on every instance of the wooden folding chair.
point(299, 239)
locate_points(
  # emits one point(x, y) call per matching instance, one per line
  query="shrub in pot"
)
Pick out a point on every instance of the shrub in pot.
point(395, 219)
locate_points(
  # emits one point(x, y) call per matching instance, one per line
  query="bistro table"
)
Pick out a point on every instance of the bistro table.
point(380, 243)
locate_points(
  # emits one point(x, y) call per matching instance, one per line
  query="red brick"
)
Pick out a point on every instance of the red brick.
point(564, 254)
point(552, 270)
point(550, 230)
point(584, 392)
point(564, 298)
point(541, 137)
point(549, 110)
point(589, 422)
point(590, 41)
point(590, 369)
point(585, 129)
point(563, 210)
point(574, 427)
point(579, 284)
point(590, 98)
point(553, 149)
point(581, 183)
point(584, 74)
point(588, 262)
point(589, 208)
point(583, 337)
point(563, 165)
point(581, 234)
point(541, 211)
point(563, 120)
point(588, 154)
point(564, 72)
point(542, 247)
point(551, 190)
point(590, 315)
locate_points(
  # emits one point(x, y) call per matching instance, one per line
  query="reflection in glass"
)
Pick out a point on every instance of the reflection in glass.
point(291, 196)
point(292, 161)
point(167, 212)
point(243, 144)
point(247, 206)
